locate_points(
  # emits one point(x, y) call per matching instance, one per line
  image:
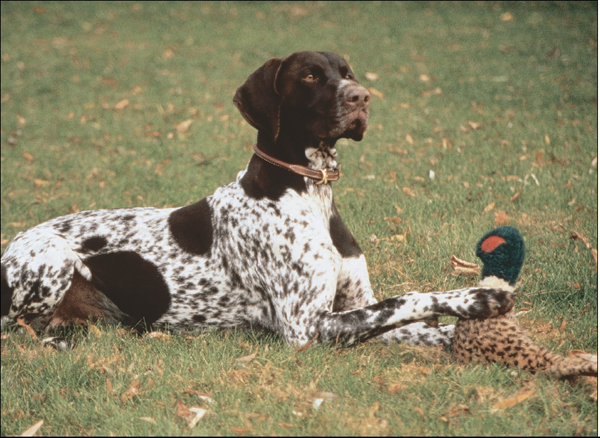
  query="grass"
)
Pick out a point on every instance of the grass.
point(498, 100)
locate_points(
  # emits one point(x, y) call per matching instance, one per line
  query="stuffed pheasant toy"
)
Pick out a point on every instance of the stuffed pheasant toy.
point(501, 339)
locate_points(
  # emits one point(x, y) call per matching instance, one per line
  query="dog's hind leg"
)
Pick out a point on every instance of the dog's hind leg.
point(38, 269)
point(83, 302)
point(419, 333)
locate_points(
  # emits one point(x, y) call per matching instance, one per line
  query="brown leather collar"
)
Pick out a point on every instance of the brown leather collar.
point(322, 176)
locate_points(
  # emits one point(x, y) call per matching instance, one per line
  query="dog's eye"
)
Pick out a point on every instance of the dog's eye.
point(348, 76)
point(311, 78)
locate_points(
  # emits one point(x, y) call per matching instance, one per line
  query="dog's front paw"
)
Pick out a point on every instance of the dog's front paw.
point(490, 302)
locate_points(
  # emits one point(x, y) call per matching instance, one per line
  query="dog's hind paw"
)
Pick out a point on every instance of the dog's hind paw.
point(59, 344)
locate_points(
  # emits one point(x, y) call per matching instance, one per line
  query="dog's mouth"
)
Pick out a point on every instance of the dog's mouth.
point(352, 125)
point(356, 129)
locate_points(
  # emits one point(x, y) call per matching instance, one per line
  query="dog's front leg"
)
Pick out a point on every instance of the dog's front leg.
point(353, 289)
point(419, 333)
point(358, 325)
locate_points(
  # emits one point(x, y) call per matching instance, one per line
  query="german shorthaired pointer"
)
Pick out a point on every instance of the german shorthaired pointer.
point(268, 250)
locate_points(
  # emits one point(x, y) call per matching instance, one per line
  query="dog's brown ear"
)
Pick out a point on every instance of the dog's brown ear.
point(258, 100)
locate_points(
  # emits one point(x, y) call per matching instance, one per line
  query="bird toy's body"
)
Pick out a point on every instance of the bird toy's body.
point(501, 339)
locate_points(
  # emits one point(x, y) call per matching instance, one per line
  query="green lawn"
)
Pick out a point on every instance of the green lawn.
point(130, 104)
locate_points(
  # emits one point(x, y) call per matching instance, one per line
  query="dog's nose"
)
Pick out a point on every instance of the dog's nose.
point(357, 95)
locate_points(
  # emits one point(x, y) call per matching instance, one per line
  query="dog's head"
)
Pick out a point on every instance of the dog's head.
point(315, 92)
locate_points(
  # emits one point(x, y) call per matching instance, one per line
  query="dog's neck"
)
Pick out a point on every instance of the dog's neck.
point(263, 179)
point(322, 157)
point(299, 148)
point(305, 150)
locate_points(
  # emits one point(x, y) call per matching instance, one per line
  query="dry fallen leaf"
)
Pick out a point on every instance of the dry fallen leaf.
point(131, 391)
point(512, 401)
point(239, 430)
point(248, 358)
point(371, 76)
point(321, 395)
point(546, 139)
point(409, 139)
point(308, 344)
point(501, 218)
point(37, 183)
point(474, 125)
point(398, 238)
point(95, 331)
point(182, 410)
point(395, 219)
point(196, 415)
point(463, 267)
point(507, 16)
point(489, 207)
point(409, 192)
point(199, 394)
point(150, 384)
point(539, 158)
point(456, 410)
point(122, 104)
point(375, 92)
point(395, 387)
point(28, 328)
point(30, 158)
point(184, 126)
point(593, 382)
point(575, 235)
point(33, 429)
point(191, 415)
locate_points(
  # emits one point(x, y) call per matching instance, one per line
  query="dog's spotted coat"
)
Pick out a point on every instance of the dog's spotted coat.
point(267, 250)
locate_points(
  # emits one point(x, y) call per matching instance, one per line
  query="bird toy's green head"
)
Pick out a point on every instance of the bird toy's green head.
point(502, 252)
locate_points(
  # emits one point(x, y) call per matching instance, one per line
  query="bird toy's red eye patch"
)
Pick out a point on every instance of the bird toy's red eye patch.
point(491, 243)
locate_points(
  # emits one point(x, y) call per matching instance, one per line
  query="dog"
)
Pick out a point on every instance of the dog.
point(269, 250)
